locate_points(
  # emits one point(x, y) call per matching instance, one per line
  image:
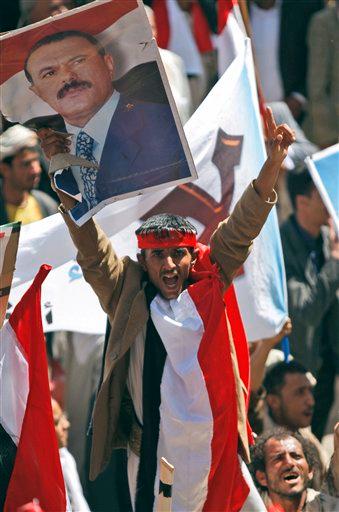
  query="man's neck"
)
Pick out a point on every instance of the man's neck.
point(306, 224)
point(13, 195)
point(289, 503)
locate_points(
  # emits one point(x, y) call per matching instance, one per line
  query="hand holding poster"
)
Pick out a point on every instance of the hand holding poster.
point(100, 84)
point(324, 169)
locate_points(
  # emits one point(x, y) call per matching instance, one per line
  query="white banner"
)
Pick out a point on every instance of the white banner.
point(226, 141)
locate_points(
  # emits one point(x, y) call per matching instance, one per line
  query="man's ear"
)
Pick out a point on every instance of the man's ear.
point(261, 477)
point(110, 64)
point(4, 169)
point(194, 256)
point(142, 260)
point(34, 89)
point(273, 402)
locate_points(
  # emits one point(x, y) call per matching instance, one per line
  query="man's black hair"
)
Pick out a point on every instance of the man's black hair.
point(299, 183)
point(60, 36)
point(275, 378)
point(258, 462)
point(163, 224)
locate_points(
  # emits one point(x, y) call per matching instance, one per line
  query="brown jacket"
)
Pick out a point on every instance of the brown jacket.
point(119, 285)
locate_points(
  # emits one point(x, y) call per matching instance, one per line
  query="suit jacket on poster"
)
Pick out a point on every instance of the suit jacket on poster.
point(142, 149)
point(119, 285)
point(295, 16)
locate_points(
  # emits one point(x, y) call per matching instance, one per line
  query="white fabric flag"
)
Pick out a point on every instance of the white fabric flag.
point(226, 141)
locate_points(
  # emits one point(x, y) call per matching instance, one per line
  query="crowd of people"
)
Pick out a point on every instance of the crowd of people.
point(294, 405)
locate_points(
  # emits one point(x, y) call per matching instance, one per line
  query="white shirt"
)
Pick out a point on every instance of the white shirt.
point(76, 501)
point(97, 128)
point(266, 39)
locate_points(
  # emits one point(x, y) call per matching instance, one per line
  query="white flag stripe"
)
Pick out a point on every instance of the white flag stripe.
point(186, 420)
point(14, 378)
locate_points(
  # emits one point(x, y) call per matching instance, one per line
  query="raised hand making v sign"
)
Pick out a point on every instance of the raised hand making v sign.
point(279, 138)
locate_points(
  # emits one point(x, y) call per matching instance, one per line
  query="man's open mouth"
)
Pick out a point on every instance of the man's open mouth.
point(170, 281)
point(291, 477)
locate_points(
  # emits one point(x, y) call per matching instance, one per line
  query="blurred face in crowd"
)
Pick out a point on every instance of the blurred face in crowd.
point(72, 77)
point(186, 5)
point(23, 173)
point(168, 268)
point(287, 473)
point(293, 406)
point(265, 4)
point(312, 208)
point(61, 424)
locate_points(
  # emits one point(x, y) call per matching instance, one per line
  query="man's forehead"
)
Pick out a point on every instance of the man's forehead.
point(296, 380)
point(287, 444)
point(68, 46)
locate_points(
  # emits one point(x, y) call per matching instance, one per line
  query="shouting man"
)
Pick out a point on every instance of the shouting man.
point(171, 382)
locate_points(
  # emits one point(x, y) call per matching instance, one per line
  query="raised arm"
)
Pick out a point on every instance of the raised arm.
point(231, 242)
point(101, 267)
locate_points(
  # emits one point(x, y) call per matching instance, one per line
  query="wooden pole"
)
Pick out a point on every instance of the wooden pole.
point(164, 500)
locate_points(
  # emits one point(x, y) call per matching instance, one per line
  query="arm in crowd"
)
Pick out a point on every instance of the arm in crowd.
point(260, 354)
point(231, 242)
point(331, 481)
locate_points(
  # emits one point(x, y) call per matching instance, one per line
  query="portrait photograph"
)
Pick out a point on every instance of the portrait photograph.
point(95, 74)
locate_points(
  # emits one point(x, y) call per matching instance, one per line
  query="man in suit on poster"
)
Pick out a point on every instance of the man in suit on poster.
point(134, 143)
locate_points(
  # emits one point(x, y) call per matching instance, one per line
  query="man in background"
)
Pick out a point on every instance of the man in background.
point(279, 29)
point(282, 466)
point(322, 121)
point(75, 498)
point(311, 254)
point(20, 171)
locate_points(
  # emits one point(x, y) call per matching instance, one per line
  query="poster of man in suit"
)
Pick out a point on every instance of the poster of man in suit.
point(95, 74)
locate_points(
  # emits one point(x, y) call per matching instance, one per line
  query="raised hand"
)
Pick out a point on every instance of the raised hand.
point(279, 138)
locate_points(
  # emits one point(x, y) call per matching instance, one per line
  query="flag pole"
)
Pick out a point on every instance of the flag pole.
point(164, 502)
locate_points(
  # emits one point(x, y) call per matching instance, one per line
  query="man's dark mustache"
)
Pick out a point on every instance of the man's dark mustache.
point(74, 84)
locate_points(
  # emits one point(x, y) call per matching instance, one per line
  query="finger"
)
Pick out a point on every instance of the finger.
point(45, 133)
point(270, 123)
point(286, 131)
point(54, 138)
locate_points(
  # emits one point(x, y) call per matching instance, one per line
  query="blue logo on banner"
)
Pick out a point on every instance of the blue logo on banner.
point(74, 273)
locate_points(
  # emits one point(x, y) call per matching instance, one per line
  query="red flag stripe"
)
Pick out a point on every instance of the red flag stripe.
point(37, 471)
point(227, 488)
point(224, 8)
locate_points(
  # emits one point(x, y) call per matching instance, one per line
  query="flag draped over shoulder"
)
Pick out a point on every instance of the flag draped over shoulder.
point(198, 391)
point(26, 413)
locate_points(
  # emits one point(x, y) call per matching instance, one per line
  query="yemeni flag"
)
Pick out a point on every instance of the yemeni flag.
point(30, 464)
point(177, 34)
point(198, 431)
point(231, 34)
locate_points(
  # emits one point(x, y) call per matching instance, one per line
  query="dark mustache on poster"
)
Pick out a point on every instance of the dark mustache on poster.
point(73, 84)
